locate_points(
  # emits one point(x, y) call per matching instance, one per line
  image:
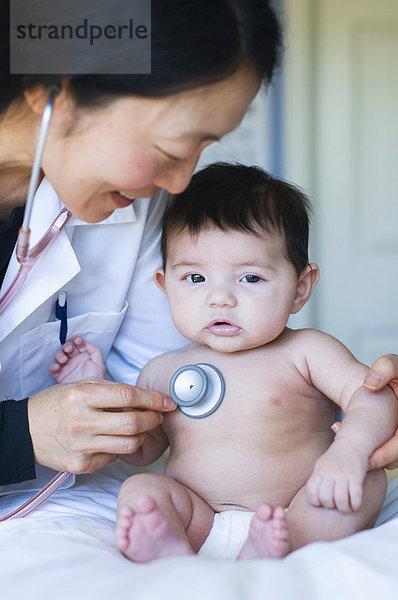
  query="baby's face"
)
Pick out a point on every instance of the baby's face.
point(229, 290)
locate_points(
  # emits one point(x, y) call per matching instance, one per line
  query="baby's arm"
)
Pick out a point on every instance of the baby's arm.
point(155, 441)
point(370, 419)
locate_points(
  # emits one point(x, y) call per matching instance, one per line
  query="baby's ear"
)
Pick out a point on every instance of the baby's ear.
point(305, 286)
point(158, 277)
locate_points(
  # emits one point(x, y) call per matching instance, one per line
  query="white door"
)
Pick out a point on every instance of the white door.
point(342, 146)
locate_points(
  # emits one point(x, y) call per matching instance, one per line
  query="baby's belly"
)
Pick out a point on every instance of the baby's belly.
point(242, 478)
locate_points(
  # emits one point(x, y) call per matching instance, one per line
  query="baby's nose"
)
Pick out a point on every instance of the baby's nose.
point(221, 296)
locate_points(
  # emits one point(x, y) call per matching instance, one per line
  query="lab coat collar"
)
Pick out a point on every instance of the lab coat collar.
point(56, 267)
point(120, 215)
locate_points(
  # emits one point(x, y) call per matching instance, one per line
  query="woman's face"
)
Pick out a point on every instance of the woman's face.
point(136, 145)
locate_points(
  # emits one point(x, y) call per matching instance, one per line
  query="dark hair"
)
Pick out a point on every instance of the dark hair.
point(194, 42)
point(241, 198)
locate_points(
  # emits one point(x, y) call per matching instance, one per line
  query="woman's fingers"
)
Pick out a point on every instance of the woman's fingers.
point(125, 423)
point(383, 371)
point(118, 444)
point(386, 455)
point(110, 395)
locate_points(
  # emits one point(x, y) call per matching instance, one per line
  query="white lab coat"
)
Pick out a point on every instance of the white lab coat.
point(106, 271)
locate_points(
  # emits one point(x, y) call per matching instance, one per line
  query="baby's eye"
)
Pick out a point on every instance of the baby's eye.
point(250, 278)
point(194, 278)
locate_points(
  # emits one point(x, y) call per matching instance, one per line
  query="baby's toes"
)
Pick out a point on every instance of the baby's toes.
point(125, 515)
point(123, 525)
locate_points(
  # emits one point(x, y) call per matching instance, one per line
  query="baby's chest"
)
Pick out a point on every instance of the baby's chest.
point(254, 407)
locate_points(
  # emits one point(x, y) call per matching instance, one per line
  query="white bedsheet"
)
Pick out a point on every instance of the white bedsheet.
point(66, 550)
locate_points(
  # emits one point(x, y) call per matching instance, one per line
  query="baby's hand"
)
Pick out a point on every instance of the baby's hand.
point(337, 479)
point(77, 360)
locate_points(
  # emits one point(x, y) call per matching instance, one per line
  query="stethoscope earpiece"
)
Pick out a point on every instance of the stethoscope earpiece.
point(197, 389)
point(53, 90)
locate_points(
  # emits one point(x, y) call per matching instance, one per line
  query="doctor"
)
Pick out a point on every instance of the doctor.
point(114, 144)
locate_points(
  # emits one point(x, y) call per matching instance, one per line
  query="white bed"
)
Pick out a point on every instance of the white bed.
point(66, 550)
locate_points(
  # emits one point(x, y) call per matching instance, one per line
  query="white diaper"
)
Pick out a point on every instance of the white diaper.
point(228, 534)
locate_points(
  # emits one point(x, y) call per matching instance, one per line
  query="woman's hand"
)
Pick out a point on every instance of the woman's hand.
point(83, 426)
point(384, 371)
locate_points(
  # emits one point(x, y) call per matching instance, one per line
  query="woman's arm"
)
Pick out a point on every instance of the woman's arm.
point(74, 427)
point(17, 461)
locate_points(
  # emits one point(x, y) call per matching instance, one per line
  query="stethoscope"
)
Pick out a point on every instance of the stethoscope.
point(197, 389)
point(27, 257)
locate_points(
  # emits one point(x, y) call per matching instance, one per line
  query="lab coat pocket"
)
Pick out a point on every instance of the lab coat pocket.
point(39, 345)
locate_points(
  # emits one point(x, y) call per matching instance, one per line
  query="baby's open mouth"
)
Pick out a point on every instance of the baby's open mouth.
point(223, 328)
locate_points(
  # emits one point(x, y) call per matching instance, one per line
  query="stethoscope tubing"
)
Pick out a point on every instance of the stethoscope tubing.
point(39, 497)
point(30, 259)
point(41, 142)
point(27, 258)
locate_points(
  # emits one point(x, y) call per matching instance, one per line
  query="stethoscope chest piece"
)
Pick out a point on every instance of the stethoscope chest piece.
point(197, 389)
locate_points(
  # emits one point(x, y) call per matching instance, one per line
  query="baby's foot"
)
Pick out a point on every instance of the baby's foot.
point(146, 535)
point(77, 360)
point(268, 535)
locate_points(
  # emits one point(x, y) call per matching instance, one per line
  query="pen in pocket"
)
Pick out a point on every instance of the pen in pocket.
point(61, 313)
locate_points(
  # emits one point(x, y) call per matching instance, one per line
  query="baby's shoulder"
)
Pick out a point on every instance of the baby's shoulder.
point(307, 341)
point(313, 342)
point(306, 336)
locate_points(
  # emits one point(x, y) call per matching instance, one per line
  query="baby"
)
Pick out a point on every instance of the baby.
point(262, 475)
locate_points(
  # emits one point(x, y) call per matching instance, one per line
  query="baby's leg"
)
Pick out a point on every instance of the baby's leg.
point(77, 360)
point(159, 517)
point(308, 523)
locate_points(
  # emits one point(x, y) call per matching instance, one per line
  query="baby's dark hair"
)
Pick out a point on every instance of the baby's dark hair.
point(241, 198)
